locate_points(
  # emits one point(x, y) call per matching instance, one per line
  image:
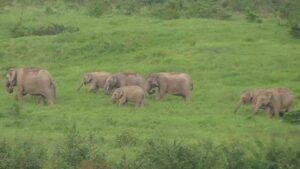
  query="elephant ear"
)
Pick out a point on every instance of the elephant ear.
point(12, 76)
point(154, 81)
point(88, 78)
point(162, 80)
point(269, 96)
point(115, 81)
point(121, 93)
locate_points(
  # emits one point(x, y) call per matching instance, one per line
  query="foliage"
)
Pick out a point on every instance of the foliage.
point(292, 117)
point(162, 155)
point(79, 152)
point(253, 17)
point(20, 29)
point(22, 154)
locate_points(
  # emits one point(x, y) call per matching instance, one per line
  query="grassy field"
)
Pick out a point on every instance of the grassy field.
point(224, 58)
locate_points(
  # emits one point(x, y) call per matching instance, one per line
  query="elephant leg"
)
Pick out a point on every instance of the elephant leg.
point(93, 88)
point(269, 112)
point(122, 101)
point(186, 97)
point(142, 103)
point(160, 95)
point(42, 100)
point(19, 96)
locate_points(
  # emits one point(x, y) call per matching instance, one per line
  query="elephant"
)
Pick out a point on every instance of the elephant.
point(32, 81)
point(123, 79)
point(248, 97)
point(174, 83)
point(275, 101)
point(95, 79)
point(134, 94)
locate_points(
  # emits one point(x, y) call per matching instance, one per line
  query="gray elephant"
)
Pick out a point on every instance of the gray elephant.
point(134, 94)
point(248, 97)
point(33, 81)
point(123, 79)
point(179, 84)
point(95, 79)
point(275, 101)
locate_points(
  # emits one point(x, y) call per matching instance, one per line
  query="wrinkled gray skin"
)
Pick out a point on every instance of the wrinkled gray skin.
point(248, 97)
point(95, 79)
point(275, 101)
point(179, 84)
point(134, 94)
point(32, 81)
point(123, 79)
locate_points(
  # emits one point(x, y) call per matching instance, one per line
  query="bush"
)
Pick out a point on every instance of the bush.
point(163, 155)
point(292, 117)
point(78, 152)
point(21, 154)
point(252, 16)
point(295, 30)
point(20, 30)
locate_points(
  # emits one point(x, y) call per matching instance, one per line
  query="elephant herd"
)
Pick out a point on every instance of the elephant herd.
point(131, 87)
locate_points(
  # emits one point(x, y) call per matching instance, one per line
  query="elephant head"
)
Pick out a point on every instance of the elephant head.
point(87, 79)
point(117, 94)
point(262, 100)
point(111, 83)
point(246, 98)
point(11, 80)
point(152, 83)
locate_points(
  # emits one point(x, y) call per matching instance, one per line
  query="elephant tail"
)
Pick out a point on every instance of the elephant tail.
point(53, 87)
point(191, 86)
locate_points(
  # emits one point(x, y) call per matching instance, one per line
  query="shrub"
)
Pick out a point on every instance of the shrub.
point(295, 30)
point(292, 117)
point(20, 30)
point(252, 16)
point(77, 151)
point(21, 154)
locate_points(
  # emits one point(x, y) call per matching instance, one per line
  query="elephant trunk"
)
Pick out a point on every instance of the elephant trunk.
point(150, 89)
point(82, 83)
point(238, 107)
point(9, 87)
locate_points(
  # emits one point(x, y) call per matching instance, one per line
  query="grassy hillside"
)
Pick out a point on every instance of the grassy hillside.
point(224, 58)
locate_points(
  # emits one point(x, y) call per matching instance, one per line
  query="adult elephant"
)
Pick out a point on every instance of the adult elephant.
point(123, 79)
point(275, 101)
point(33, 81)
point(95, 79)
point(174, 83)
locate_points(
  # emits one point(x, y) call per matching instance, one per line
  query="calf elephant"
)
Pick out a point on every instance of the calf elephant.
point(95, 79)
point(134, 94)
point(123, 79)
point(33, 81)
point(248, 97)
point(179, 84)
point(274, 101)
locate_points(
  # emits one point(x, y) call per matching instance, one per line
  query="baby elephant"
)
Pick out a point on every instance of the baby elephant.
point(134, 94)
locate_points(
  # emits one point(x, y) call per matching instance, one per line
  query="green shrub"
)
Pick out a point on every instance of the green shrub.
point(77, 151)
point(252, 16)
point(292, 117)
point(295, 30)
point(21, 154)
point(97, 8)
point(20, 30)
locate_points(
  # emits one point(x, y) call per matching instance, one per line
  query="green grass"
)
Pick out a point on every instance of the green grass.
point(224, 58)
